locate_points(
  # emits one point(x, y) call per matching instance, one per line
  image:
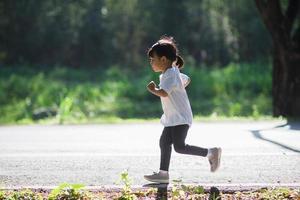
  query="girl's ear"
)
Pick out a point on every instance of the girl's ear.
point(163, 58)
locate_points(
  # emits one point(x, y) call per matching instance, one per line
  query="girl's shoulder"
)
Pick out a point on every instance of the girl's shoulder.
point(171, 71)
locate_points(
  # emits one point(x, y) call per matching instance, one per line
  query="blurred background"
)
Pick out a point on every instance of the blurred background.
point(78, 61)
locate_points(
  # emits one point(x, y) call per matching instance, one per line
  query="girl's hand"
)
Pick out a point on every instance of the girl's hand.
point(158, 92)
point(151, 86)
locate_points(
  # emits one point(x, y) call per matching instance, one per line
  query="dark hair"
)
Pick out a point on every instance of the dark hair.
point(166, 46)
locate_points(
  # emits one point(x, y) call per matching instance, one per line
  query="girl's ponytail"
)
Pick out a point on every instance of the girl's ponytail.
point(179, 62)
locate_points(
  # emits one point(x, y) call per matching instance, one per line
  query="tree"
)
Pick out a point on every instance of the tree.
point(283, 23)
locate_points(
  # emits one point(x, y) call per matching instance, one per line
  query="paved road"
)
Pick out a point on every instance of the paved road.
point(253, 153)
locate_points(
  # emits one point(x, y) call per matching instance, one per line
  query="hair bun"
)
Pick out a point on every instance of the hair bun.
point(179, 61)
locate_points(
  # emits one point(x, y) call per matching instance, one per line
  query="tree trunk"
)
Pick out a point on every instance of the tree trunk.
point(286, 84)
point(286, 56)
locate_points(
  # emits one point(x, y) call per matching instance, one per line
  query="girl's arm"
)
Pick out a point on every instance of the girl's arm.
point(156, 91)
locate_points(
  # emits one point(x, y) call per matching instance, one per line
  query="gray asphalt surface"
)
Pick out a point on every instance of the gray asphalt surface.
point(253, 153)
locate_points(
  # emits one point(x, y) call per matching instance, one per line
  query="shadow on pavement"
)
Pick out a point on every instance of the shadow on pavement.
point(290, 125)
point(214, 194)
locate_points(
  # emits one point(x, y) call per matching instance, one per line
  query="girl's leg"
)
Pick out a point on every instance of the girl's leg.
point(165, 144)
point(179, 134)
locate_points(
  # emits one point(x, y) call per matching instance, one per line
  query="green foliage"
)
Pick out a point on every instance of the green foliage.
point(126, 190)
point(237, 90)
point(103, 33)
point(179, 191)
point(2, 195)
point(69, 192)
point(193, 189)
point(65, 108)
point(21, 195)
point(279, 194)
point(182, 191)
point(68, 95)
point(269, 194)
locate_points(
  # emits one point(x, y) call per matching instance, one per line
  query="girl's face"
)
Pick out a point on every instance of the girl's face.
point(158, 63)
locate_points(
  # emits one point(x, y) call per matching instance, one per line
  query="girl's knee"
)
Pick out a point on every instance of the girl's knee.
point(179, 148)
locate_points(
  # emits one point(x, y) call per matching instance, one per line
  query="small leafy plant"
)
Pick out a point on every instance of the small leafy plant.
point(69, 192)
point(181, 191)
point(126, 193)
point(2, 195)
point(279, 193)
point(65, 108)
point(177, 191)
point(22, 195)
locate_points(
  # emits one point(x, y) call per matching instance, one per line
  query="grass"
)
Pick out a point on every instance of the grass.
point(63, 95)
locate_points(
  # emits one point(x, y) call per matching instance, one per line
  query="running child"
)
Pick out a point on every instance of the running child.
point(177, 113)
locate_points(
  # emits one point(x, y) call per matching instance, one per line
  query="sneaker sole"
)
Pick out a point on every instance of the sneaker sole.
point(219, 158)
point(156, 180)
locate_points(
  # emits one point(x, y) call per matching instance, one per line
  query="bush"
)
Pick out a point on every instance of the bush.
point(69, 192)
point(237, 90)
point(78, 95)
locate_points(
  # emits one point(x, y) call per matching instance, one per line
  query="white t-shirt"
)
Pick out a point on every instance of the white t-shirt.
point(176, 106)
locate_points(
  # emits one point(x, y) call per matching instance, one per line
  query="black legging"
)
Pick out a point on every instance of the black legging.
point(176, 135)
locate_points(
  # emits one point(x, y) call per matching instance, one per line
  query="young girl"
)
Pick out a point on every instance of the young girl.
point(177, 116)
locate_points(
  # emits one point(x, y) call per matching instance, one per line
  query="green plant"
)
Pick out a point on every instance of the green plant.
point(2, 195)
point(177, 191)
point(193, 189)
point(24, 195)
point(278, 194)
point(182, 191)
point(69, 192)
point(65, 109)
point(65, 95)
point(126, 193)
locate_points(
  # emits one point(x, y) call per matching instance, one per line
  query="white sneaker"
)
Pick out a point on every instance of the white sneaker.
point(158, 177)
point(215, 159)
